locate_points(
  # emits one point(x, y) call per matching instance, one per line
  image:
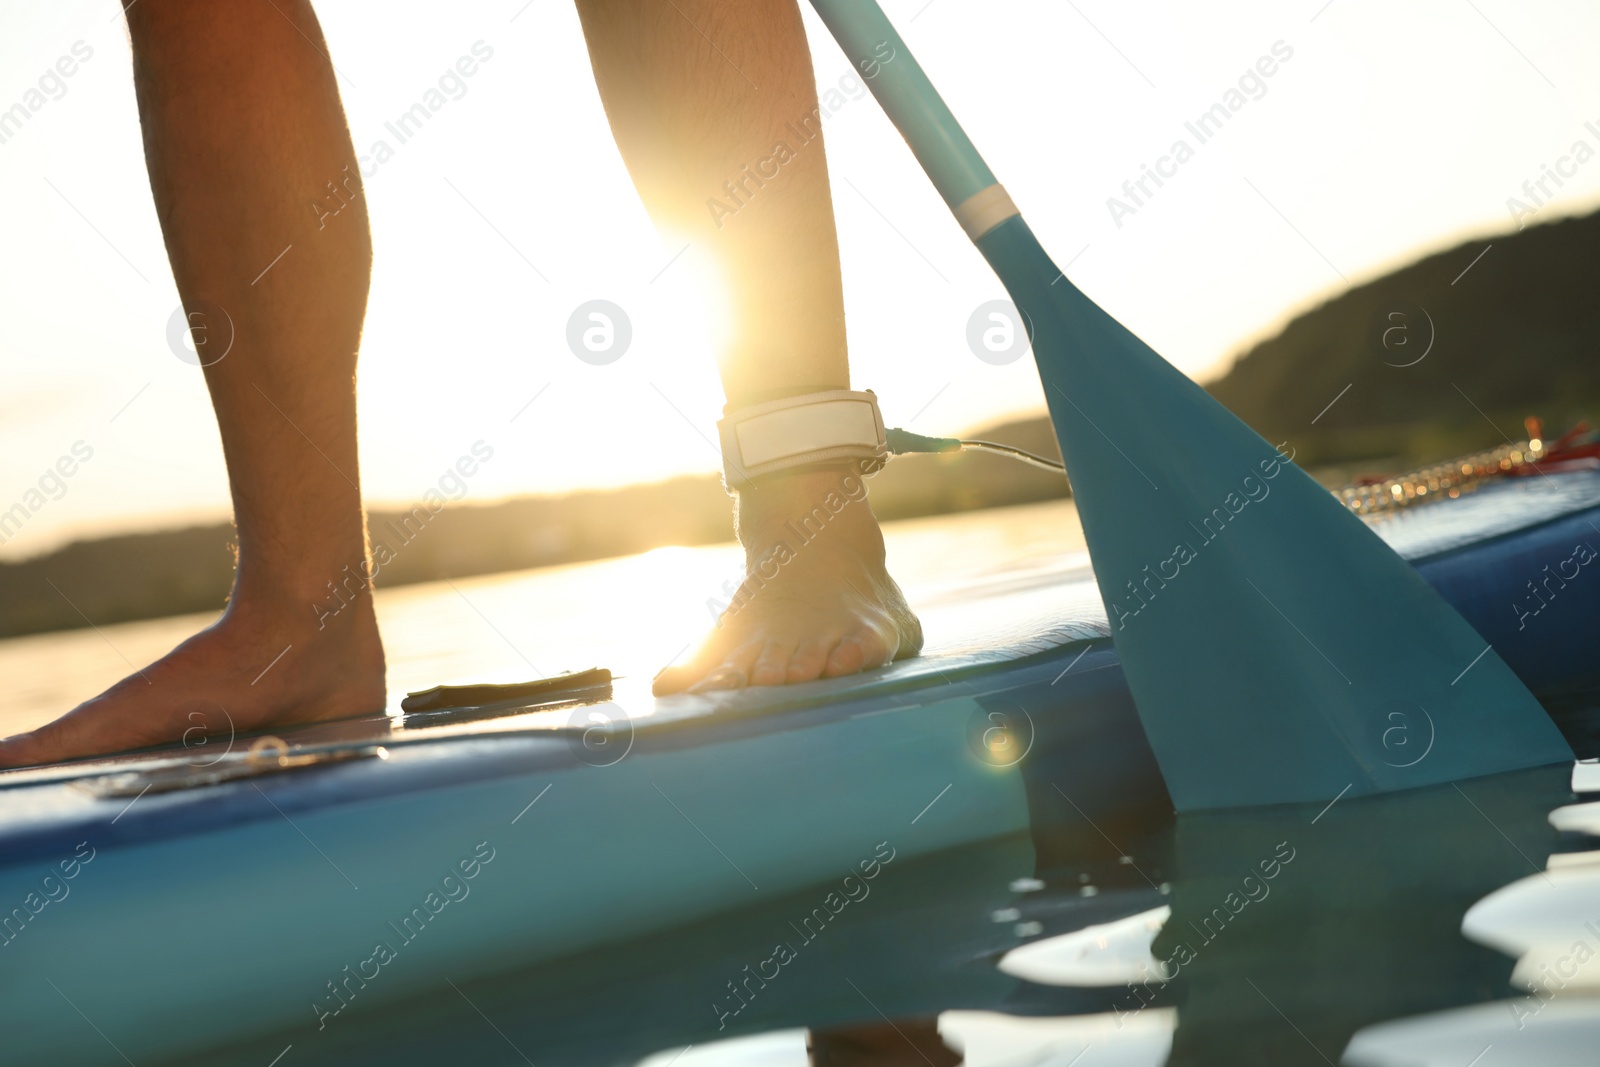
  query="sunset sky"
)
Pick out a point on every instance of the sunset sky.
point(1385, 131)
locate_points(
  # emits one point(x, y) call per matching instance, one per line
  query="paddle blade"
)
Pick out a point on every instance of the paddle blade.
point(1277, 649)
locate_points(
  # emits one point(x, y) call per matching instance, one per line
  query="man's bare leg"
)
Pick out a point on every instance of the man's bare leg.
point(243, 133)
point(700, 93)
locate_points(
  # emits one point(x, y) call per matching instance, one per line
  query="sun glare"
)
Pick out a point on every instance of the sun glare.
point(707, 309)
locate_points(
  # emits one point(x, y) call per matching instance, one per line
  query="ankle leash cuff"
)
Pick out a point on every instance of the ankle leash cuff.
point(802, 431)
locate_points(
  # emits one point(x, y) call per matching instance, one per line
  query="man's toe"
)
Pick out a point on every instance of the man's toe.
point(731, 672)
point(772, 665)
point(808, 661)
point(850, 655)
point(676, 678)
point(18, 751)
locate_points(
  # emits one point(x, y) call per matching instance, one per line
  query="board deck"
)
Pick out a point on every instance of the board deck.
point(1469, 547)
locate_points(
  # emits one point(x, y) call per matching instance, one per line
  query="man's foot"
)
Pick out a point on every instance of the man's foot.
point(256, 667)
point(816, 601)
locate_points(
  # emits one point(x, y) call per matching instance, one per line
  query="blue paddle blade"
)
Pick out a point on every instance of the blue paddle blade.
point(1277, 649)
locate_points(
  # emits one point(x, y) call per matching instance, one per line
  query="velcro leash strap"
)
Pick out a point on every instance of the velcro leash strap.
point(802, 431)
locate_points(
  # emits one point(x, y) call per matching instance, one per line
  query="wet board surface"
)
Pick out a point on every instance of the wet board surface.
point(1500, 536)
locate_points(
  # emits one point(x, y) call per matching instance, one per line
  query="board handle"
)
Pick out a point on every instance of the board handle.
point(915, 107)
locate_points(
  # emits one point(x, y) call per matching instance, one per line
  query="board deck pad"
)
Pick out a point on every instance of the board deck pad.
point(451, 697)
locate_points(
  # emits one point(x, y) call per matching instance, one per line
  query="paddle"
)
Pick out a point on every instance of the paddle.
point(1277, 649)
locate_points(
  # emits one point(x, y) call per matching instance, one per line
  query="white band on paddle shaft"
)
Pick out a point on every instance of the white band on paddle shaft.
point(801, 431)
point(984, 210)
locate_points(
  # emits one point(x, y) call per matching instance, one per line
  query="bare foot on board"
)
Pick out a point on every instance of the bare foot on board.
point(257, 666)
point(816, 602)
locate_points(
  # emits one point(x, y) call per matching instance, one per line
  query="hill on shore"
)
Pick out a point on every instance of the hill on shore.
point(1514, 331)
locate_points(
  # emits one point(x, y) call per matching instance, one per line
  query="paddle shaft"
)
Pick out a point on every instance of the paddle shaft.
point(909, 98)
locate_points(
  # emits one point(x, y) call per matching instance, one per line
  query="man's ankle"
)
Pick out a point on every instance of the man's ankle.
point(306, 594)
point(801, 505)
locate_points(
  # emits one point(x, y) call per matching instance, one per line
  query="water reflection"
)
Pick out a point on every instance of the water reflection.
point(1304, 935)
point(1362, 924)
point(1549, 923)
